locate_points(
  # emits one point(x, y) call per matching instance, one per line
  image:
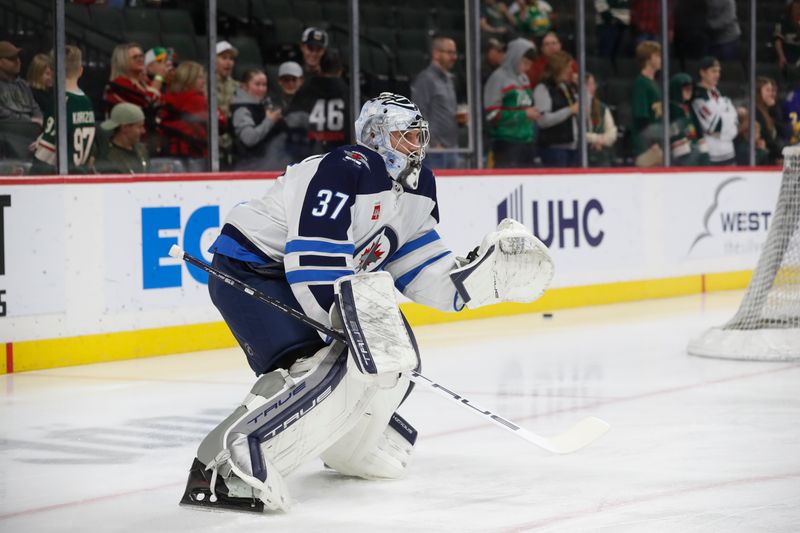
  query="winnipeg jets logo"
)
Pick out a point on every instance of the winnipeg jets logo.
point(356, 157)
point(376, 250)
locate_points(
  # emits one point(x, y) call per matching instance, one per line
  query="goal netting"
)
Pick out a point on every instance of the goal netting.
point(767, 325)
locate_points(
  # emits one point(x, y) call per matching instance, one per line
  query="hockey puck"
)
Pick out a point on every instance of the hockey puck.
point(547, 315)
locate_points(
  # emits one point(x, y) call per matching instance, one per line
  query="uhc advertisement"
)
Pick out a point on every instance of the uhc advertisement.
point(94, 257)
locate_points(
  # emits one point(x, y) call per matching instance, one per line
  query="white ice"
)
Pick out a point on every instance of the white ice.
point(696, 445)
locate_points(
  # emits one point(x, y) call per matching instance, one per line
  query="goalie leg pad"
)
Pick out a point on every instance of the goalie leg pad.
point(379, 446)
point(287, 419)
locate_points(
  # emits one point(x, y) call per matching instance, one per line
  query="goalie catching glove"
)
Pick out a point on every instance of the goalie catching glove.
point(510, 265)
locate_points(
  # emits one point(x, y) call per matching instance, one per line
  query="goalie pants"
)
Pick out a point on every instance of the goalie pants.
point(270, 338)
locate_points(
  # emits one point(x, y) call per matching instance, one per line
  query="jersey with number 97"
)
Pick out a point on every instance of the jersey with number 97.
point(80, 133)
point(341, 213)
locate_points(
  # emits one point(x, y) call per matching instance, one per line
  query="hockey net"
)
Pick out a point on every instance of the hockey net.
point(767, 325)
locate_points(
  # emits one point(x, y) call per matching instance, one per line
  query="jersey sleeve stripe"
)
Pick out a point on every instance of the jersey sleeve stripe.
point(415, 244)
point(318, 246)
point(323, 261)
point(403, 281)
point(303, 276)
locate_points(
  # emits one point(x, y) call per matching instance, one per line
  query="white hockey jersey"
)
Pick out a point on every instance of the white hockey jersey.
point(718, 120)
point(341, 213)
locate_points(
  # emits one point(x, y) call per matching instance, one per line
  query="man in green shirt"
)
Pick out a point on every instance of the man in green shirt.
point(125, 153)
point(80, 124)
point(647, 106)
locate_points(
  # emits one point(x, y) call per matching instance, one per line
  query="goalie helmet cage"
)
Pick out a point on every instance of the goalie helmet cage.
point(767, 325)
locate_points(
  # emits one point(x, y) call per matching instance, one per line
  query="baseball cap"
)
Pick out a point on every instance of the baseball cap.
point(122, 114)
point(8, 50)
point(290, 68)
point(315, 36)
point(224, 46)
point(156, 54)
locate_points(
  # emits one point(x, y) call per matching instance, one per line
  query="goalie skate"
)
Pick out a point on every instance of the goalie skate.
point(199, 494)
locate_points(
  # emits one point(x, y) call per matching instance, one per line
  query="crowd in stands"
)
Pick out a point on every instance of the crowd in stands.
point(155, 103)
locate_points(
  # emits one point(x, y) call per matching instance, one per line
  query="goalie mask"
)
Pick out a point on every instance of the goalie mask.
point(392, 125)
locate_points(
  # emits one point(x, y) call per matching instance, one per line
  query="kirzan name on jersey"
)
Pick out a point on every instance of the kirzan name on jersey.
point(83, 117)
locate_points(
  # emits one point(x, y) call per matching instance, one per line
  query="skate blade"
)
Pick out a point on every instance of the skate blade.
point(201, 500)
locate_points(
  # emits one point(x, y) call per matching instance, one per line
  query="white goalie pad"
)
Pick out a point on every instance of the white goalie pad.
point(378, 338)
point(512, 265)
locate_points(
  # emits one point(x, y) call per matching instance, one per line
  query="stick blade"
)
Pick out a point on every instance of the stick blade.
point(579, 436)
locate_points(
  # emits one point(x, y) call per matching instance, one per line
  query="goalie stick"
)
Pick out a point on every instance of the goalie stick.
point(578, 436)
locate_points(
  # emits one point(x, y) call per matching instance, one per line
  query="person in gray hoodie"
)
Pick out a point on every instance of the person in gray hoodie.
point(509, 109)
point(259, 142)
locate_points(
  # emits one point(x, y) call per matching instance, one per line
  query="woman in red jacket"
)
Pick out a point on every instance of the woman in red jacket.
point(184, 113)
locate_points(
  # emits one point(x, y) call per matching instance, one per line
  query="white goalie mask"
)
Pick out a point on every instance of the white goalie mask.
point(393, 126)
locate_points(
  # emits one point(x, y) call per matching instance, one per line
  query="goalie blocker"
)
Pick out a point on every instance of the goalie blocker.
point(333, 405)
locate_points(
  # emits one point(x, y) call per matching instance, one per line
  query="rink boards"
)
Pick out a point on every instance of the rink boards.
point(85, 275)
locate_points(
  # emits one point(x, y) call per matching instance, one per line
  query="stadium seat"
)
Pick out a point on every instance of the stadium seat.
point(176, 21)
point(336, 14)
point(142, 20)
point(108, 20)
point(410, 63)
point(249, 52)
point(77, 14)
point(238, 10)
point(272, 9)
point(286, 32)
point(308, 11)
point(449, 20)
point(413, 40)
point(145, 39)
point(183, 44)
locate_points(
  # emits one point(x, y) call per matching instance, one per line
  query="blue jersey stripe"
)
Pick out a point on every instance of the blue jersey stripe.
point(228, 246)
point(416, 244)
point(298, 245)
point(300, 276)
point(403, 281)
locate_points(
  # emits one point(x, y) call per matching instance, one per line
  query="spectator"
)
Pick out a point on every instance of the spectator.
point(550, 45)
point(714, 114)
point(787, 36)
point(40, 80)
point(80, 124)
point(226, 89)
point(646, 20)
point(184, 115)
point(556, 98)
point(290, 79)
point(647, 107)
point(613, 23)
point(510, 113)
point(495, 18)
point(533, 17)
point(313, 44)
point(259, 144)
point(791, 115)
point(226, 85)
point(742, 141)
point(493, 58)
point(773, 129)
point(601, 132)
point(124, 152)
point(691, 31)
point(159, 67)
point(16, 99)
point(724, 30)
point(317, 117)
point(434, 93)
point(688, 146)
point(128, 83)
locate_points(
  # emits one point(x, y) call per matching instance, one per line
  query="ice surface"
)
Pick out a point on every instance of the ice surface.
point(696, 444)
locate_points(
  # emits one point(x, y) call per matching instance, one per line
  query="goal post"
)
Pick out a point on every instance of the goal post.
point(767, 325)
